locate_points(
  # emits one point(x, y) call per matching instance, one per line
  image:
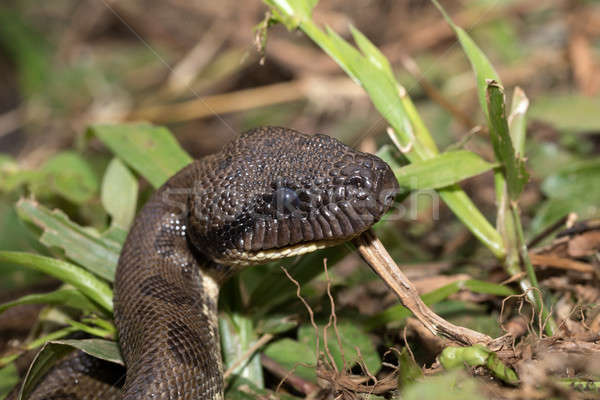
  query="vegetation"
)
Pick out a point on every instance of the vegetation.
point(502, 186)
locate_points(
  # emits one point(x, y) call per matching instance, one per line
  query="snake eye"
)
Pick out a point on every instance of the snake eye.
point(285, 199)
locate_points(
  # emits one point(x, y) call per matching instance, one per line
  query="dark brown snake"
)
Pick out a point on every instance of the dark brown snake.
point(271, 193)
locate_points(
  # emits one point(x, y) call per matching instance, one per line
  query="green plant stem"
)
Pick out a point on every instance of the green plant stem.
point(550, 326)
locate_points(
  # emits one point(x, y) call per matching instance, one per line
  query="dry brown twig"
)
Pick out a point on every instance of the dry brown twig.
point(375, 254)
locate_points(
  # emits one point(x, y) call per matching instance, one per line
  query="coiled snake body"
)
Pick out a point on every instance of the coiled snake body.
point(271, 193)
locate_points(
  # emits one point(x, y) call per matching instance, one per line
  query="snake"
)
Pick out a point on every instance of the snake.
point(271, 193)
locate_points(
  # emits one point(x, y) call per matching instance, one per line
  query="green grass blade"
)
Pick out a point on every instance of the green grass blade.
point(372, 53)
point(385, 95)
point(514, 167)
point(88, 284)
point(150, 150)
point(61, 297)
point(294, 356)
point(90, 330)
point(441, 171)
point(484, 287)
point(481, 65)
point(70, 175)
point(107, 350)
point(84, 246)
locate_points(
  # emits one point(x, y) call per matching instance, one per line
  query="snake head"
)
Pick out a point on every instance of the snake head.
point(274, 192)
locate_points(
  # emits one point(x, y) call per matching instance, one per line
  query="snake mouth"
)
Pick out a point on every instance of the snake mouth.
point(287, 236)
point(246, 258)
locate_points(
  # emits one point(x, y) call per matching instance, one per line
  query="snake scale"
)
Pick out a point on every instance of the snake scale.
point(271, 193)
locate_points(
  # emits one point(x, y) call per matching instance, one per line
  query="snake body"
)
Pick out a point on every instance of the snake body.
point(271, 193)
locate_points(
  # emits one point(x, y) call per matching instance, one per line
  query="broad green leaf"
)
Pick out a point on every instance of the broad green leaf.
point(554, 209)
point(453, 385)
point(119, 194)
point(84, 246)
point(115, 234)
point(294, 356)
point(483, 68)
point(443, 170)
point(351, 337)
point(70, 176)
point(67, 175)
point(572, 189)
point(547, 158)
point(81, 279)
point(107, 350)
point(61, 297)
point(568, 111)
point(514, 167)
point(577, 180)
point(150, 150)
point(237, 337)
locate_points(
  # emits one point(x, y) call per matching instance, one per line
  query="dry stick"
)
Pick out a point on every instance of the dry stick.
point(375, 254)
point(247, 99)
